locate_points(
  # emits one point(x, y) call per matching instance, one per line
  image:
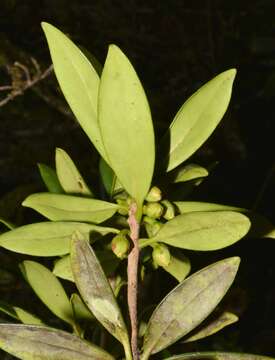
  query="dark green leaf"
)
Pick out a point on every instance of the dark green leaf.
point(50, 179)
point(218, 356)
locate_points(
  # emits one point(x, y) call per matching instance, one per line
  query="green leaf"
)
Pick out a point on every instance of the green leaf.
point(62, 268)
point(192, 206)
point(49, 289)
point(108, 177)
point(218, 356)
point(78, 80)
point(202, 231)
point(212, 326)
point(8, 310)
point(50, 179)
point(29, 342)
point(181, 310)
point(7, 223)
point(59, 207)
point(126, 125)
point(69, 176)
point(95, 289)
point(190, 172)
point(48, 238)
point(81, 311)
point(26, 317)
point(179, 265)
point(198, 118)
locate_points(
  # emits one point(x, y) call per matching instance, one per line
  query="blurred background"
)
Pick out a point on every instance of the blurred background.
point(175, 46)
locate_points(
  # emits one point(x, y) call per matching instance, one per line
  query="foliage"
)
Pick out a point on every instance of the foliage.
point(93, 233)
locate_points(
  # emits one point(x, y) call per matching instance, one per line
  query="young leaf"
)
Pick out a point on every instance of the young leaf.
point(48, 238)
point(186, 306)
point(59, 207)
point(26, 317)
point(39, 342)
point(50, 179)
point(49, 289)
point(69, 176)
point(202, 231)
point(95, 289)
point(126, 125)
point(192, 206)
point(78, 80)
point(179, 266)
point(190, 172)
point(198, 118)
point(216, 355)
point(213, 326)
point(108, 177)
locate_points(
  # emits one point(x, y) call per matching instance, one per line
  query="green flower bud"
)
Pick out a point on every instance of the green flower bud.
point(152, 226)
point(161, 255)
point(120, 245)
point(169, 210)
point(153, 210)
point(123, 207)
point(154, 195)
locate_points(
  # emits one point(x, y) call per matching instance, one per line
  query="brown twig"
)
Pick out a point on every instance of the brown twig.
point(28, 83)
point(133, 260)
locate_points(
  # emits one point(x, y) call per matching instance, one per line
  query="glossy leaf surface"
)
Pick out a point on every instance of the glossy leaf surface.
point(95, 289)
point(48, 238)
point(57, 207)
point(126, 124)
point(29, 342)
point(49, 290)
point(204, 230)
point(218, 356)
point(50, 179)
point(198, 118)
point(69, 176)
point(78, 80)
point(213, 326)
point(192, 206)
point(187, 305)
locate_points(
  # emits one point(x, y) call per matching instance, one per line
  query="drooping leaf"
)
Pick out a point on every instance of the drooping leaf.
point(126, 124)
point(108, 177)
point(212, 326)
point(69, 176)
point(59, 207)
point(216, 355)
point(202, 231)
point(179, 266)
point(49, 289)
point(81, 311)
point(187, 305)
point(198, 118)
point(190, 172)
point(26, 317)
point(192, 206)
point(50, 179)
point(48, 238)
point(95, 289)
point(78, 80)
point(29, 342)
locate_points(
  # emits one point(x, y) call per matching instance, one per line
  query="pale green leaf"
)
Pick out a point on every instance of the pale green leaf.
point(50, 179)
point(216, 355)
point(28, 342)
point(49, 290)
point(69, 176)
point(108, 177)
point(198, 118)
point(62, 268)
point(48, 238)
point(126, 125)
point(179, 266)
point(190, 172)
point(202, 230)
point(78, 80)
point(212, 326)
point(95, 289)
point(59, 207)
point(80, 310)
point(26, 317)
point(192, 206)
point(187, 305)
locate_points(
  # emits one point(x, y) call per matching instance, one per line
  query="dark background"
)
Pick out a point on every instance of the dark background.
point(175, 47)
